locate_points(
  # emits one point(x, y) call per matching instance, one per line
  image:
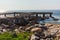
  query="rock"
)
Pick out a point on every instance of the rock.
point(40, 25)
point(44, 28)
point(4, 30)
point(4, 21)
point(36, 25)
point(48, 25)
point(4, 26)
point(0, 28)
point(28, 24)
point(17, 31)
point(8, 29)
point(33, 22)
point(21, 27)
point(58, 35)
point(53, 31)
point(46, 33)
point(29, 28)
point(21, 21)
point(33, 37)
point(36, 29)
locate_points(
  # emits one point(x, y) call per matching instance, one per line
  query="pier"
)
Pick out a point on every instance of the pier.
point(27, 14)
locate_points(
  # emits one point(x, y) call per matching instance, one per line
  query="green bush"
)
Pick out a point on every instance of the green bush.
point(19, 36)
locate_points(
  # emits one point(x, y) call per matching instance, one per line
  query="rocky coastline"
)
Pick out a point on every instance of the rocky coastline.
point(40, 32)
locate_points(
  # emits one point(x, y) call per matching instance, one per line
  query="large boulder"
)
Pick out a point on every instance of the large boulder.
point(48, 24)
point(17, 31)
point(4, 21)
point(21, 21)
point(33, 37)
point(36, 29)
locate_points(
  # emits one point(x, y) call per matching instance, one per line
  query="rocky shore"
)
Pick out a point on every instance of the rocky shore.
point(48, 32)
point(40, 32)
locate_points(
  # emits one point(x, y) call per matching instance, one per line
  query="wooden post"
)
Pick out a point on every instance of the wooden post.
point(5, 15)
point(43, 15)
point(36, 15)
point(14, 14)
point(50, 15)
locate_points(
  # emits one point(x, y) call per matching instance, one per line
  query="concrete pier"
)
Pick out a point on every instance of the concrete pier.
point(27, 14)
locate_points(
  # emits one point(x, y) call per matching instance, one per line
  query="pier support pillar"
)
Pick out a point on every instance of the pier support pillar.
point(5, 15)
point(43, 15)
point(14, 14)
point(36, 15)
point(50, 15)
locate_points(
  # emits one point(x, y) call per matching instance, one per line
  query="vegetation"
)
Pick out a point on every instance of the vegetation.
point(12, 36)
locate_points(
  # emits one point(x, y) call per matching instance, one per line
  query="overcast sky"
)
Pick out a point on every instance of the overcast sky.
point(29, 4)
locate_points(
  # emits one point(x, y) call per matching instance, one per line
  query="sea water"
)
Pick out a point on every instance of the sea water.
point(56, 14)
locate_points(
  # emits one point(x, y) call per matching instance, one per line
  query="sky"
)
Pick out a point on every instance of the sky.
point(29, 5)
